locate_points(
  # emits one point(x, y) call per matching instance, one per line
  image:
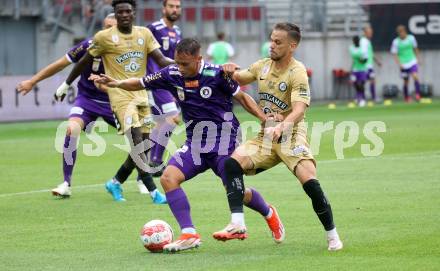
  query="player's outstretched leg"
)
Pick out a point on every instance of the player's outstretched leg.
point(69, 157)
point(235, 193)
point(254, 201)
point(179, 205)
point(305, 172)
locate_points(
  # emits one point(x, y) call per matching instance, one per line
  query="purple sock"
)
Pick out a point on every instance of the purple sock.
point(258, 204)
point(405, 90)
point(160, 136)
point(417, 86)
point(373, 91)
point(179, 205)
point(69, 157)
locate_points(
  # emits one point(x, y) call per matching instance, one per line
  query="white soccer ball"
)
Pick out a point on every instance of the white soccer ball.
point(156, 234)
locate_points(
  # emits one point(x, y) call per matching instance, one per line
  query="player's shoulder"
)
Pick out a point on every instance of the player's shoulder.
point(262, 62)
point(156, 26)
point(212, 70)
point(297, 68)
point(105, 32)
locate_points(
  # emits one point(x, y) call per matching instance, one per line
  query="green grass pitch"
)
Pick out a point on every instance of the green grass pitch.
point(386, 208)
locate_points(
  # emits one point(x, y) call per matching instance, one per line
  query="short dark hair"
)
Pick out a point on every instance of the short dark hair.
point(164, 3)
point(356, 41)
point(188, 46)
point(117, 2)
point(292, 30)
point(221, 35)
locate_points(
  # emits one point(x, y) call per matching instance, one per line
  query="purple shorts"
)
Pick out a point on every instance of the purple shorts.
point(359, 77)
point(192, 163)
point(89, 110)
point(405, 73)
point(370, 74)
point(164, 103)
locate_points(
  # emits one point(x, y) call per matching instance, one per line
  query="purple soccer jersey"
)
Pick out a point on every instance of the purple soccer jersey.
point(204, 98)
point(206, 103)
point(86, 88)
point(167, 38)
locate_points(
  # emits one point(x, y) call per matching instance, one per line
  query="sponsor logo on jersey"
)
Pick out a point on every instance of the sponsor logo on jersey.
point(175, 73)
point(152, 77)
point(192, 84)
point(269, 97)
point(133, 66)
point(205, 92)
point(303, 90)
point(210, 73)
point(129, 55)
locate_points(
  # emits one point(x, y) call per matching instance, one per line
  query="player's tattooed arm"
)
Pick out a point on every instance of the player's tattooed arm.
point(250, 105)
point(25, 86)
point(160, 59)
point(131, 84)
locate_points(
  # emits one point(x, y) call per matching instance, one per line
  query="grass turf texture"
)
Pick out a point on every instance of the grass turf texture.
point(385, 208)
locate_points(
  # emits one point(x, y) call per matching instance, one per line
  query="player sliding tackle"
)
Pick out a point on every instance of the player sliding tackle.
point(283, 87)
point(204, 94)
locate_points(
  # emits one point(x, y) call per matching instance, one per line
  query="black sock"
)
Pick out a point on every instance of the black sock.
point(320, 203)
point(125, 170)
point(148, 181)
point(234, 185)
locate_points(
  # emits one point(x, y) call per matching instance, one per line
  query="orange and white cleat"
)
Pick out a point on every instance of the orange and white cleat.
point(231, 231)
point(276, 226)
point(186, 241)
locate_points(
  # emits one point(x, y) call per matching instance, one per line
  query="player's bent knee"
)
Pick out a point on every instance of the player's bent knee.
point(232, 166)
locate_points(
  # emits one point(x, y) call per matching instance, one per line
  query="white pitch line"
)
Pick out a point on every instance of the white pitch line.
point(384, 157)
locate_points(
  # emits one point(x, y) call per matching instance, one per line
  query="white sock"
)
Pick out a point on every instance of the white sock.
point(115, 181)
point(153, 193)
point(333, 234)
point(269, 215)
point(189, 230)
point(237, 219)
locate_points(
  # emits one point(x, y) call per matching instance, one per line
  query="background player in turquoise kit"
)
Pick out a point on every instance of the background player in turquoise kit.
point(406, 54)
point(163, 105)
point(205, 95)
point(359, 69)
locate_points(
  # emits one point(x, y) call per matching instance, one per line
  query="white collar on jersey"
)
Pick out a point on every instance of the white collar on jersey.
point(202, 65)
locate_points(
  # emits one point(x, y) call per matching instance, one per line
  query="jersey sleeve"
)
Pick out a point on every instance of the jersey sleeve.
point(300, 87)
point(98, 46)
point(229, 85)
point(158, 80)
point(364, 48)
point(394, 48)
point(78, 51)
point(414, 41)
point(231, 51)
point(251, 73)
point(210, 49)
point(151, 41)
